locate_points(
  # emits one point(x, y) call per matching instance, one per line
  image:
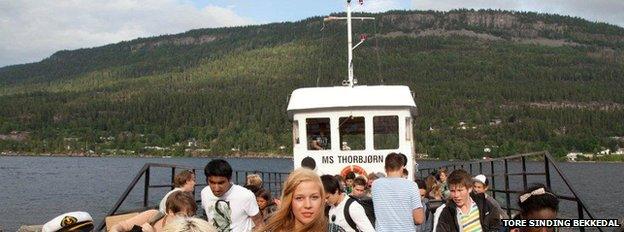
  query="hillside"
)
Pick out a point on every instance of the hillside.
point(519, 81)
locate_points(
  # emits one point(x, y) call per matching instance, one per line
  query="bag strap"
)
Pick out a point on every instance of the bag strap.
point(348, 215)
point(428, 211)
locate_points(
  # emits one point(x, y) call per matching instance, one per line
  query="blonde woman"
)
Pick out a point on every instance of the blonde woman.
point(302, 205)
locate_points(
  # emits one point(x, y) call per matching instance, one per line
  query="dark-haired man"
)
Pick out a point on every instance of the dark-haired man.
point(228, 206)
point(359, 188)
point(356, 220)
point(466, 211)
point(396, 200)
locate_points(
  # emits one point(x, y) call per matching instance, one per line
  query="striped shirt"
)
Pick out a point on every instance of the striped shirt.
point(394, 200)
point(470, 221)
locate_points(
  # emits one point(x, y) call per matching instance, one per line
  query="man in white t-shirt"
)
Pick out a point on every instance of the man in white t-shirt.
point(183, 181)
point(337, 200)
point(228, 207)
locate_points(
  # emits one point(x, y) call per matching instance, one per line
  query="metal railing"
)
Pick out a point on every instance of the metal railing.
point(542, 156)
point(271, 181)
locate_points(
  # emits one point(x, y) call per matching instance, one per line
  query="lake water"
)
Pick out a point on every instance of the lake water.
point(34, 190)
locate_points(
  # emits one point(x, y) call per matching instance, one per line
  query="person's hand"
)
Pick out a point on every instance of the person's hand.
point(147, 227)
point(277, 202)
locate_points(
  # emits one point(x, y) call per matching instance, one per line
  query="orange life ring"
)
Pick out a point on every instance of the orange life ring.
point(352, 168)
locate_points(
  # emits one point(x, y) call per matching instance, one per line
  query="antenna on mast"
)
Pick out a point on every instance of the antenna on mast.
point(350, 81)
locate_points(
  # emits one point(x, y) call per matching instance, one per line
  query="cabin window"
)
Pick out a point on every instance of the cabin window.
point(318, 134)
point(352, 133)
point(386, 132)
point(295, 131)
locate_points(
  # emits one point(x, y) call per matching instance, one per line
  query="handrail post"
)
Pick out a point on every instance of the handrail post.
point(146, 187)
point(507, 196)
point(524, 173)
point(547, 171)
point(172, 177)
point(493, 181)
point(580, 213)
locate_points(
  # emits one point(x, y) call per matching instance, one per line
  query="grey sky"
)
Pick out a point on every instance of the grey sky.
point(31, 30)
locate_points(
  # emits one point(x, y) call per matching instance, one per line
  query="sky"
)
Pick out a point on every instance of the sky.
point(31, 30)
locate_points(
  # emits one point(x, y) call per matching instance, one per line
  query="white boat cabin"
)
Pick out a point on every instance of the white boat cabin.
point(337, 130)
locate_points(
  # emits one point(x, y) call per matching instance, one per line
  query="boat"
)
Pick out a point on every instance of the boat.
point(351, 128)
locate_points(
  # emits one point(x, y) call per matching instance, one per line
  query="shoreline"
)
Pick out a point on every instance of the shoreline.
point(237, 155)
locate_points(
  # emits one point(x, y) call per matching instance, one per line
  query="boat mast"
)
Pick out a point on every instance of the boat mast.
point(350, 80)
point(350, 45)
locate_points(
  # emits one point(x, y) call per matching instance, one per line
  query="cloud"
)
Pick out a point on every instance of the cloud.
point(609, 11)
point(33, 29)
point(375, 6)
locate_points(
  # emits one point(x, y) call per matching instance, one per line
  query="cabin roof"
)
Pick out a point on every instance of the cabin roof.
point(357, 96)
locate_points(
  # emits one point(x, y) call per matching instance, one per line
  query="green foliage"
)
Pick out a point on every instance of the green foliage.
point(227, 88)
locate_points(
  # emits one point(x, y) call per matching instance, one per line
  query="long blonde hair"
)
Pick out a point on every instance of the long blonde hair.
point(283, 219)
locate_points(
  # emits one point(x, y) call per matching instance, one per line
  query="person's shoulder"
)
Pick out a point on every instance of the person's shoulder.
point(240, 191)
point(150, 213)
point(377, 185)
point(174, 190)
point(356, 207)
point(491, 200)
point(443, 209)
point(480, 200)
point(381, 181)
point(355, 201)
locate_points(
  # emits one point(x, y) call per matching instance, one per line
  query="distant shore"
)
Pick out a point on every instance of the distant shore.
point(254, 155)
point(229, 155)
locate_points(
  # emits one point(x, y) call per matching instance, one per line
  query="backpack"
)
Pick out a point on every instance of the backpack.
point(432, 206)
point(367, 204)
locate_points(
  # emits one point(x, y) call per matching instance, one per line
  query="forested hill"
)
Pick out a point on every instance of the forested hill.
point(516, 82)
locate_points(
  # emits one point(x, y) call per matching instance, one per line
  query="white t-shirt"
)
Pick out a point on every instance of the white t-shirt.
point(233, 210)
point(357, 214)
point(436, 216)
point(163, 202)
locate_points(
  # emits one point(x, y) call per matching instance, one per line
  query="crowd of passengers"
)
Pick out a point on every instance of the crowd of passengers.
point(442, 202)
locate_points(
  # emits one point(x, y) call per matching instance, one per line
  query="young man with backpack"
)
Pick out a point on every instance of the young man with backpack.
point(345, 211)
point(466, 211)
